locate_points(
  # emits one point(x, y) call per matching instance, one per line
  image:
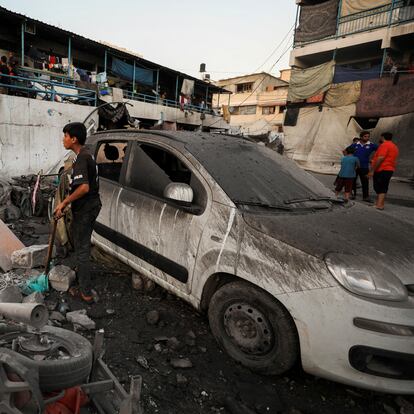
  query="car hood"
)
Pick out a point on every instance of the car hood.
point(357, 230)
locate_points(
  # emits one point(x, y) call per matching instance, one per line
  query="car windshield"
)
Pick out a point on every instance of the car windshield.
point(255, 175)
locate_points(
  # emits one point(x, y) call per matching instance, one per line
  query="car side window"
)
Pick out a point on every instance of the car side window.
point(109, 159)
point(151, 169)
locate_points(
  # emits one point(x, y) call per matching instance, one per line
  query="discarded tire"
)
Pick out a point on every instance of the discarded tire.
point(253, 328)
point(57, 374)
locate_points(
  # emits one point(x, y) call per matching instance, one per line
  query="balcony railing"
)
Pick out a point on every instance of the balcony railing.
point(395, 13)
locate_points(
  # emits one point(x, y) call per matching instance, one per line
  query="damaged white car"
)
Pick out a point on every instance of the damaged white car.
point(285, 270)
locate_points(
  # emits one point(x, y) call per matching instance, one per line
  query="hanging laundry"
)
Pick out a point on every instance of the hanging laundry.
point(188, 87)
point(342, 94)
point(355, 6)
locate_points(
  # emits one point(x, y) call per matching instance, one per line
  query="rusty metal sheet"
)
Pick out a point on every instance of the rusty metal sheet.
point(8, 244)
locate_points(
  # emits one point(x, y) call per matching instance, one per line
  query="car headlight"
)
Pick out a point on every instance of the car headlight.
point(365, 277)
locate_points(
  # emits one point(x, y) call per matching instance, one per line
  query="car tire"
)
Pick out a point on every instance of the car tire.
point(253, 328)
point(62, 373)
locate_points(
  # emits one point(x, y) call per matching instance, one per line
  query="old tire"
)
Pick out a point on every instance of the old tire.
point(253, 328)
point(62, 373)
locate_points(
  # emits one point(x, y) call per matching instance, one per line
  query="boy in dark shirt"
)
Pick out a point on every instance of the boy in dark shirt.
point(85, 203)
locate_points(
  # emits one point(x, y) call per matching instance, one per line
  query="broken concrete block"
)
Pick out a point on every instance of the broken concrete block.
point(28, 257)
point(61, 277)
point(8, 244)
point(35, 297)
point(181, 363)
point(137, 282)
point(80, 318)
point(11, 294)
point(153, 317)
point(57, 316)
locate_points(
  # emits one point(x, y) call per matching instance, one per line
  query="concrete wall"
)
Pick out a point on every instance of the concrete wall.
point(171, 114)
point(31, 133)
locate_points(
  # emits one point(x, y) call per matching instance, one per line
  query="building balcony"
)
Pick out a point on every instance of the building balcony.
point(396, 13)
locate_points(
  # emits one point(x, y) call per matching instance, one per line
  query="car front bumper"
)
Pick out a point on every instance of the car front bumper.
point(333, 347)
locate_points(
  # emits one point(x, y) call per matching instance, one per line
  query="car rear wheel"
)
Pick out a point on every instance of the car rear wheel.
point(253, 328)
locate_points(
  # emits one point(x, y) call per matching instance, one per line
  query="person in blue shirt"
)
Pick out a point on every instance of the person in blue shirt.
point(364, 149)
point(347, 173)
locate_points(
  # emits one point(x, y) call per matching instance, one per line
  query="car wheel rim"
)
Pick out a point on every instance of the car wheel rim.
point(248, 329)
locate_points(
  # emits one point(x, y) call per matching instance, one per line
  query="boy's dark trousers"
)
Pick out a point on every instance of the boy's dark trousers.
point(82, 227)
point(362, 173)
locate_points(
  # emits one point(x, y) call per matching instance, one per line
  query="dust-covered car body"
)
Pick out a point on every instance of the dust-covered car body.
point(282, 267)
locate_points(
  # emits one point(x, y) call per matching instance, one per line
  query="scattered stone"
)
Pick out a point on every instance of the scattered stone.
point(405, 406)
point(35, 297)
point(204, 394)
point(202, 349)
point(161, 338)
point(191, 334)
point(143, 362)
point(81, 319)
point(110, 311)
point(28, 257)
point(137, 282)
point(389, 410)
point(236, 407)
point(149, 285)
point(181, 379)
point(183, 363)
point(174, 343)
point(158, 347)
point(57, 316)
point(61, 277)
point(153, 317)
point(11, 294)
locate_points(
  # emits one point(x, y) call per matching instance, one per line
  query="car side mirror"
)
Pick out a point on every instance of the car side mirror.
point(180, 192)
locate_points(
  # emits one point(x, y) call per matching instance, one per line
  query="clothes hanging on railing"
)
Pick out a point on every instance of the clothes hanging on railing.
point(355, 6)
point(305, 83)
point(317, 21)
point(188, 87)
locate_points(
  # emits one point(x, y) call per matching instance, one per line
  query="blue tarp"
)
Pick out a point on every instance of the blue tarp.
point(126, 71)
point(349, 74)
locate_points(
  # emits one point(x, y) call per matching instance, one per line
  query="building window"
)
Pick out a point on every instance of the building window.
point(247, 110)
point(268, 110)
point(282, 109)
point(244, 87)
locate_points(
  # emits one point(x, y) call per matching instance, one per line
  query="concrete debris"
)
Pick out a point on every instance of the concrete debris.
point(8, 244)
point(190, 338)
point(137, 282)
point(57, 316)
point(174, 343)
point(110, 311)
point(35, 297)
point(142, 283)
point(29, 257)
point(158, 347)
point(142, 361)
point(11, 294)
point(181, 379)
point(81, 319)
point(153, 317)
point(183, 363)
point(61, 277)
point(405, 406)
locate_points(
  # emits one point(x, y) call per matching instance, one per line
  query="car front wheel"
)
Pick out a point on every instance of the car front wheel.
point(253, 328)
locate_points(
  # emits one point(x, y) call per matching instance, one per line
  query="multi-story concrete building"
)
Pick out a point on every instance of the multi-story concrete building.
point(256, 103)
point(352, 69)
point(60, 76)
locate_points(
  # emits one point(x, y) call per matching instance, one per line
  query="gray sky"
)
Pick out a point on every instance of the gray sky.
point(232, 37)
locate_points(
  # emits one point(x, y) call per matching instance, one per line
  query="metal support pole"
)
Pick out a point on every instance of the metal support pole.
point(206, 96)
point(338, 17)
point(384, 56)
point(133, 80)
point(69, 55)
point(218, 100)
point(296, 24)
point(176, 89)
point(157, 85)
point(334, 54)
point(106, 60)
point(391, 12)
point(22, 42)
point(228, 103)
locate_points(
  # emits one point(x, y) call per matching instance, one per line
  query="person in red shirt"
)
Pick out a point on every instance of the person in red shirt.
point(382, 168)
